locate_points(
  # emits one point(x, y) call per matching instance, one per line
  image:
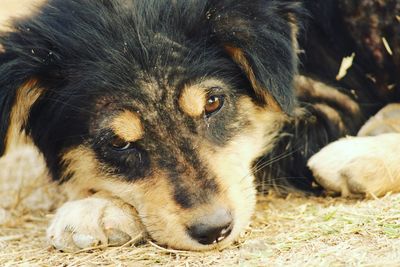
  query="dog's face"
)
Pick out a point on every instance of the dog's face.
point(164, 104)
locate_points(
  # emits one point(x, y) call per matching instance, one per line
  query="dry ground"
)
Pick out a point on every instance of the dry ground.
point(296, 231)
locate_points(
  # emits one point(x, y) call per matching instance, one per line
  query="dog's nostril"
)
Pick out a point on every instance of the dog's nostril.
point(206, 235)
point(212, 229)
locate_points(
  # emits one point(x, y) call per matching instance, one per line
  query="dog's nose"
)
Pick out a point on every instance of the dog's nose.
point(212, 228)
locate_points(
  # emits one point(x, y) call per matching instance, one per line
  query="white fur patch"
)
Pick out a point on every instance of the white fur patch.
point(387, 120)
point(359, 165)
point(93, 221)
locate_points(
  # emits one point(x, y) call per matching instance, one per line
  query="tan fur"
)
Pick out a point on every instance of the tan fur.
point(25, 98)
point(193, 100)
point(332, 114)
point(20, 9)
point(293, 23)
point(239, 57)
point(193, 97)
point(306, 86)
point(128, 126)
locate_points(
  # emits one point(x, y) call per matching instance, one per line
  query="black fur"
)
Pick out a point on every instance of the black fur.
point(336, 29)
point(83, 51)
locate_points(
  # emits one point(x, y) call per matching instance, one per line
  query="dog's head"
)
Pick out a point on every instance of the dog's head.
point(165, 104)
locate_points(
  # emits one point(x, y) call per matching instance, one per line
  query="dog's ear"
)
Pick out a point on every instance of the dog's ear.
point(260, 36)
point(18, 92)
point(21, 66)
point(6, 102)
point(9, 82)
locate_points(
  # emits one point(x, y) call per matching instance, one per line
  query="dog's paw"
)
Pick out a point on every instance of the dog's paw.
point(92, 222)
point(387, 120)
point(359, 165)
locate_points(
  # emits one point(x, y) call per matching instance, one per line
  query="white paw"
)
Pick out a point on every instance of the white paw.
point(92, 222)
point(387, 120)
point(359, 165)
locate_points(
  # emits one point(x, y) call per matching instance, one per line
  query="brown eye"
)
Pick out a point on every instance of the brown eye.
point(120, 144)
point(213, 104)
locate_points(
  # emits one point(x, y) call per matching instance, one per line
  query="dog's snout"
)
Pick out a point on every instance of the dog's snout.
point(212, 228)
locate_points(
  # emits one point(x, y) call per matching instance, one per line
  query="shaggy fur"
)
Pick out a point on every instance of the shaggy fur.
point(328, 111)
point(161, 113)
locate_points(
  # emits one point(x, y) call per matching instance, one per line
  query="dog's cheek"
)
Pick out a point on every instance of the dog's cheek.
point(232, 164)
point(82, 173)
point(152, 196)
point(164, 219)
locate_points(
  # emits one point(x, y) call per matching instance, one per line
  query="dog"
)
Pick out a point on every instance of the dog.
point(161, 118)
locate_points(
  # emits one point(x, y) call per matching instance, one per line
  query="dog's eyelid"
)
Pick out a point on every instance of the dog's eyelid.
point(126, 146)
point(214, 89)
point(119, 144)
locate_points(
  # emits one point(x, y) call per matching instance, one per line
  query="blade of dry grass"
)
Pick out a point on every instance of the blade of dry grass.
point(292, 232)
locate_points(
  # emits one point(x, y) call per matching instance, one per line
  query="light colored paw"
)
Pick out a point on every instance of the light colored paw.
point(359, 165)
point(387, 120)
point(92, 222)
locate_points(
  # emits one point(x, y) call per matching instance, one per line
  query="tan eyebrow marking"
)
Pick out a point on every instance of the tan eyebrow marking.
point(193, 97)
point(193, 100)
point(128, 126)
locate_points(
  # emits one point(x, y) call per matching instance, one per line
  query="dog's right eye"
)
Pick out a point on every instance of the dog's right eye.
point(120, 144)
point(213, 104)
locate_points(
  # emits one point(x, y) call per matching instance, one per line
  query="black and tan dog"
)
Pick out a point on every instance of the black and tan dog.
point(157, 115)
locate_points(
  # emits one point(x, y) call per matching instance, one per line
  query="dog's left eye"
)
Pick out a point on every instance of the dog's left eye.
point(213, 104)
point(120, 144)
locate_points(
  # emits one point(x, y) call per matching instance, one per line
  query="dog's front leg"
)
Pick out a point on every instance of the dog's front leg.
point(359, 165)
point(98, 220)
point(368, 164)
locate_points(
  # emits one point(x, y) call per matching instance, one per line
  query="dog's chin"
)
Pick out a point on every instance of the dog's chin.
point(189, 244)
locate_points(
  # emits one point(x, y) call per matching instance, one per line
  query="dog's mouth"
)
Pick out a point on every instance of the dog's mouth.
point(213, 231)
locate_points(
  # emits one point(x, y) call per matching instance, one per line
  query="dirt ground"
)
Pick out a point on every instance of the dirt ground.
point(285, 232)
point(291, 231)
